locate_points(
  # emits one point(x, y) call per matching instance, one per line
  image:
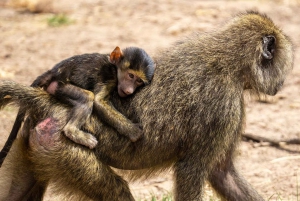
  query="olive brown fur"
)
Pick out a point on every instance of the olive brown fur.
point(193, 115)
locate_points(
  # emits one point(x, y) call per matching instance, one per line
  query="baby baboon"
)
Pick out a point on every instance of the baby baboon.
point(192, 116)
point(75, 80)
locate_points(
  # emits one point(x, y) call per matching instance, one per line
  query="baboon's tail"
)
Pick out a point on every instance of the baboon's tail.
point(28, 98)
point(33, 100)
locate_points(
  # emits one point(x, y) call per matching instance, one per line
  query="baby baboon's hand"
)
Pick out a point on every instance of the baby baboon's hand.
point(136, 133)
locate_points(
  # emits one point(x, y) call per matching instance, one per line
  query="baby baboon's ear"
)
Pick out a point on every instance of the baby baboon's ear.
point(116, 55)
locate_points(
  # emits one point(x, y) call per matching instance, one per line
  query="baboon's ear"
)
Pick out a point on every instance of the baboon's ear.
point(268, 46)
point(116, 55)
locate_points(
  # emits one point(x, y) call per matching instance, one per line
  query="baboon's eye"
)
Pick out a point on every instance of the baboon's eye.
point(131, 75)
point(139, 81)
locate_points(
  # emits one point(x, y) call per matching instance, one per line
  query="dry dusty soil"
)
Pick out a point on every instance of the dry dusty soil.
point(29, 46)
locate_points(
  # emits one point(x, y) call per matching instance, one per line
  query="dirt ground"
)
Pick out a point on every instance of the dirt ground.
point(29, 46)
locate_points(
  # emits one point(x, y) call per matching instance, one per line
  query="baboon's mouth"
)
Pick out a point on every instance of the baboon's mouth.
point(121, 93)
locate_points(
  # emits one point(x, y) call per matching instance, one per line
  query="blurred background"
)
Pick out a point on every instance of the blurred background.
point(37, 34)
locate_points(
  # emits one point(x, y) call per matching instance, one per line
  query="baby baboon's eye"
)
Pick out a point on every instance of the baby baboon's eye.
point(139, 81)
point(131, 75)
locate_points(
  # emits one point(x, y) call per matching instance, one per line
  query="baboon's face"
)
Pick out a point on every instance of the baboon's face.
point(128, 82)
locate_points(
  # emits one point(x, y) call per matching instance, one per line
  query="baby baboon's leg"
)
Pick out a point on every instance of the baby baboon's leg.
point(230, 185)
point(73, 168)
point(82, 102)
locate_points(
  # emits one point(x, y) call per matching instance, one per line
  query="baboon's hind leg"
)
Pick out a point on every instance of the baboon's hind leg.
point(73, 168)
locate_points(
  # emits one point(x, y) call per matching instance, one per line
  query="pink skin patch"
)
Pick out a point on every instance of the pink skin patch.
point(44, 134)
point(52, 87)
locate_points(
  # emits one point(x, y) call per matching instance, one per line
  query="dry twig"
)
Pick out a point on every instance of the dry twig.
point(272, 142)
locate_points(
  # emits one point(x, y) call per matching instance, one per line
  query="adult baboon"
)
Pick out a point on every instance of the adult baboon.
point(192, 116)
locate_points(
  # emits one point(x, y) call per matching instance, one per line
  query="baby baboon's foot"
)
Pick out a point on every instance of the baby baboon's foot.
point(80, 137)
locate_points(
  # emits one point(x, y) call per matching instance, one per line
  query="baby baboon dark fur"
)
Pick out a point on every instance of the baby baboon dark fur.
point(192, 116)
